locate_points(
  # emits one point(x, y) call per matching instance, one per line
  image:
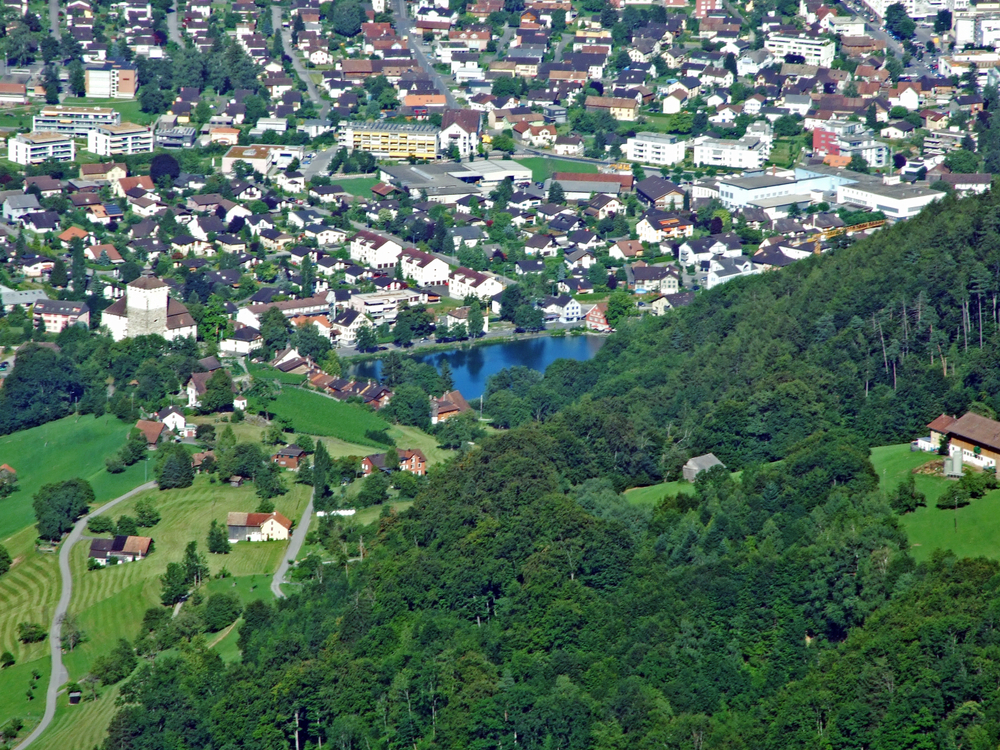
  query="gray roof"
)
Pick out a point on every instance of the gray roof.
point(28, 200)
point(705, 462)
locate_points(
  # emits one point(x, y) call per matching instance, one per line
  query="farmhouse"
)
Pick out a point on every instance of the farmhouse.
point(288, 457)
point(976, 438)
point(257, 527)
point(121, 549)
point(449, 405)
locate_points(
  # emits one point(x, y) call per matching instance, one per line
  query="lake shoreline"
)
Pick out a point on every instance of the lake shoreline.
point(474, 363)
point(418, 351)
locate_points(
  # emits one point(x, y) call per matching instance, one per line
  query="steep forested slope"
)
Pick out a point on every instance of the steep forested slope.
point(851, 340)
point(522, 602)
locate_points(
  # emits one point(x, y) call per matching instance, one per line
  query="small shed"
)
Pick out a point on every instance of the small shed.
point(698, 464)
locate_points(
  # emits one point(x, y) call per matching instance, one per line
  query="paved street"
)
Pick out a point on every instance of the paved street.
point(322, 105)
point(173, 25)
point(294, 545)
point(54, 18)
point(405, 28)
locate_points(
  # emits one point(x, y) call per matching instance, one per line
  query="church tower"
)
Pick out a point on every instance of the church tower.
point(147, 306)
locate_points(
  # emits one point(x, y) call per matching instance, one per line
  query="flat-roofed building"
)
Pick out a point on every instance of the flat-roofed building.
point(897, 201)
point(746, 153)
point(73, 120)
point(111, 80)
point(261, 157)
point(127, 138)
point(34, 148)
point(654, 148)
point(813, 50)
point(390, 140)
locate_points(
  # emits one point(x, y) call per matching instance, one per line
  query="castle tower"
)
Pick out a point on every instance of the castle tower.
point(146, 301)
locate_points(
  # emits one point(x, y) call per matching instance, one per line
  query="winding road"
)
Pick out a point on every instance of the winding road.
point(59, 674)
point(298, 538)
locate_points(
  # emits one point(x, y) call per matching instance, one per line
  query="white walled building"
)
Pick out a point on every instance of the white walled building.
point(746, 153)
point(896, 201)
point(34, 148)
point(73, 120)
point(147, 308)
point(654, 148)
point(815, 51)
point(127, 138)
point(374, 250)
point(425, 269)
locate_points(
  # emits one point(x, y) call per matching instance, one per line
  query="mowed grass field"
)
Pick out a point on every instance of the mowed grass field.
point(362, 186)
point(655, 493)
point(79, 727)
point(972, 531)
point(110, 603)
point(28, 593)
point(319, 415)
point(542, 167)
point(72, 447)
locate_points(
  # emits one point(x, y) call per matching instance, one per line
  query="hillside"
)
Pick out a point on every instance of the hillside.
point(523, 601)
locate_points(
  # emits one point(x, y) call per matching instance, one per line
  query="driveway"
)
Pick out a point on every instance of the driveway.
point(173, 26)
point(294, 546)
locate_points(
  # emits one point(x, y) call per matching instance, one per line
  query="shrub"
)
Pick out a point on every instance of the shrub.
point(221, 611)
point(100, 525)
point(6, 659)
point(30, 632)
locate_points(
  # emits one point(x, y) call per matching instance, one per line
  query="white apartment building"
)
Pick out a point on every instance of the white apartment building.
point(74, 121)
point(425, 269)
point(815, 51)
point(464, 281)
point(34, 148)
point(896, 201)
point(127, 138)
point(382, 307)
point(746, 153)
point(654, 148)
point(374, 250)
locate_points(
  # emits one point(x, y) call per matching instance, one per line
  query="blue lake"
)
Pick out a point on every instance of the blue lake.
point(472, 367)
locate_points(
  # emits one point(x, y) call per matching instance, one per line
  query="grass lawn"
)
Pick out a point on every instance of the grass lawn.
point(110, 603)
point(360, 186)
point(414, 437)
point(79, 727)
point(319, 415)
point(129, 108)
point(542, 166)
point(271, 373)
point(653, 494)
point(28, 593)
point(972, 531)
point(66, 448)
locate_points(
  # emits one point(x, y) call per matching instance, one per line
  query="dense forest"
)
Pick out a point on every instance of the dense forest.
point(522, 601)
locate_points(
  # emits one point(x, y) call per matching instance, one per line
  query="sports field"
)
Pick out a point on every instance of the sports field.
point(542, 167)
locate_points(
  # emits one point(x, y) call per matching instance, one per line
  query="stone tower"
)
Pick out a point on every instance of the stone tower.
point(146, 301)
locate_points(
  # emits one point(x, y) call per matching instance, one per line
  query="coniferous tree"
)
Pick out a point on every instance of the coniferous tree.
point(218, 539)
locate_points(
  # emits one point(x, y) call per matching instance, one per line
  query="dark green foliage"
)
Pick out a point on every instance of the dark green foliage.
point(972, 486)
point(221, 611)
point(218, 539)
point(174, 583)
point(101, 525)
point(6, 659)
point(127, 526)
point(906, 498)
point(31, 632)
point(145, 514)
point(173, 467)
point(58, 505)
point(117, 665)
point(41, 387)
point(409, 405)
point(374, 490)
point(218, 392)
point(5, 560)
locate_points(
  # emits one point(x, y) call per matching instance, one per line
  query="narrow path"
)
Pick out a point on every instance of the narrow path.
point(298, 539)
point(322, 105)
point(173, 24)
point(59, 674)
point(54, 19)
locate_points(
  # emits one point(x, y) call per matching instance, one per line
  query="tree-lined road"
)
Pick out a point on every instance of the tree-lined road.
point(322, 105)
point(405, 28)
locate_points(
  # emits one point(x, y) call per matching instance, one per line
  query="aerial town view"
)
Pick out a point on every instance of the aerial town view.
point(494, 374)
